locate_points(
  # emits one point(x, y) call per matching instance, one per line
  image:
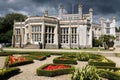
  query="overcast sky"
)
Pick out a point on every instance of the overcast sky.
point(105, 8)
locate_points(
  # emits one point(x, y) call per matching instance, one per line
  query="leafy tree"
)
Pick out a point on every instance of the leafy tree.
point(107, 40)
point(6, 26)
point(117, 29)
point(96, 42)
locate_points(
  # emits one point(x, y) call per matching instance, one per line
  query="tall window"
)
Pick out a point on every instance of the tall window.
point(17, 35)
point(117, 38)
point(108, 28)
point(64, 35)
point(49, 36)
point(74, 35)
point(36, 33)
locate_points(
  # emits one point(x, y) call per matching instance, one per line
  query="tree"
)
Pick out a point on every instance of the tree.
point(107, 40)
point(117, 29)
point(96, 42)
point(6, 26)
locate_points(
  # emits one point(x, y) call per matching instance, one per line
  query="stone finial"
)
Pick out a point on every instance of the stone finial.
point(46, 13)
point(61, 6)
point(90, 10)
point(113, 17)
point(79, 6)
point(102, 18)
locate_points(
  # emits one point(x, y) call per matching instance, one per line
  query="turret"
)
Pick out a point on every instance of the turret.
point(61, 10)
point(80, 10)
point(114, 20)
point(91, 14)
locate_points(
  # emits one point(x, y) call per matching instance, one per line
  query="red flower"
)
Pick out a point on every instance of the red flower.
point(51, 67)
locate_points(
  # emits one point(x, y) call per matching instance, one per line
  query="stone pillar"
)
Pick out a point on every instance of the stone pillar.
point(69, 35)
point(91, 14)
point(43, 35)
point(56, 34)
point(102, 26)
point(113, 26)
point(80, 10)
point(61, 11)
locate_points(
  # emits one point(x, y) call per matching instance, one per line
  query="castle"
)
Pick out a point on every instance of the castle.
point(61, 31)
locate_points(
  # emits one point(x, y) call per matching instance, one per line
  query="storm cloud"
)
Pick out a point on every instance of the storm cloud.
point(105, 8)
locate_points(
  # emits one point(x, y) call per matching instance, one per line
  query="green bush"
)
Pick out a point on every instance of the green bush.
point(101, 62)
point(41, 53)
point(108, 68)
point(38, 57)
point(109, 75)
point(65, 60)
point(83, 57)
point(86, 73)
point(51, 73)
point(96, 42)
point(95, 56)
point(6, 73)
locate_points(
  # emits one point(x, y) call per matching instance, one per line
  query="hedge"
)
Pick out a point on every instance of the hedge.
point(6, 73)
point(83, 56)
point(108, 68)
point(98, 62)
point(37, 57)
point(109, 75)
point(67, 61)
point(7, 64)
point(41, 72)
point(40, 53)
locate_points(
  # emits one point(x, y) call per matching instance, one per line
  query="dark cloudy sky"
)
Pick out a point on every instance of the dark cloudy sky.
point(105, 8)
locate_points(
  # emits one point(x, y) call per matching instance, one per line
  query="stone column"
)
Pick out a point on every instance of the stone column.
point(43, 35)
point(69, 35)
point(56, 36)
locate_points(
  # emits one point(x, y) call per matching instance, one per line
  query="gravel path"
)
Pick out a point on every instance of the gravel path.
point(29, 71)
point(2, 61)
point(116, 60)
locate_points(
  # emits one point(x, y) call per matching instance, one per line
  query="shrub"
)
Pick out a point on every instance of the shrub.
point(42, 72)
point(38, 57)
point(108, 68)
point(6, 73)
point(41, 53)
point(95, 56)
point(83, 57)
point(86, 73)
point(86, 56)
point(64, 60)
point(109, 74)
point(101, 62)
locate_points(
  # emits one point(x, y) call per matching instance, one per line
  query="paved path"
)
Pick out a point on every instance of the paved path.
point(2, 61)
point(29, 71)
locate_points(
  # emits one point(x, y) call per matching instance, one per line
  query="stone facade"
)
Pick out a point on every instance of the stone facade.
point(61, 31)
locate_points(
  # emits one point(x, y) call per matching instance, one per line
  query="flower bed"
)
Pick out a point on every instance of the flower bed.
point(101, 62)
point(65, 60)
point(17, 61)
point(6, 73)
point(54, 70)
